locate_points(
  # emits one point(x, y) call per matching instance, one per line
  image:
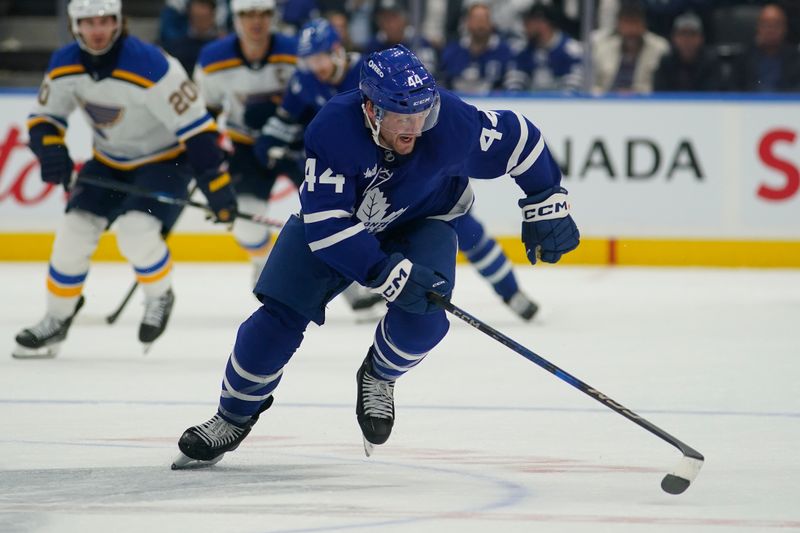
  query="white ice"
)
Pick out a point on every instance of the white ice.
point(485, 440)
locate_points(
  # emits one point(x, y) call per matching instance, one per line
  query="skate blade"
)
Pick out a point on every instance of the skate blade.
point(369, 448)
point(182, 462)
point(43, 352)
point(146, 347)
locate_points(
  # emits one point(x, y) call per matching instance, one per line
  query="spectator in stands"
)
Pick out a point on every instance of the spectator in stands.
point(626, 60)
point(174, 20)
point(551, 60)
point(393, 28)
point(690, 66)
point(202, 30)
point(478, 62)
point(341, 23)
point(771, 64)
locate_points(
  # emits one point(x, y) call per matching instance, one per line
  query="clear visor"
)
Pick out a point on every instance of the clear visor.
point(412, 124)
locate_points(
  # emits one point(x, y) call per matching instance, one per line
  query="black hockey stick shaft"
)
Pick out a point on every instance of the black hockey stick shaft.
point(110, 319)
point(168, 199)
point(481, 326)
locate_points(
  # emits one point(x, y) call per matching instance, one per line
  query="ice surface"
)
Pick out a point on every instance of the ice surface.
point(484, 441)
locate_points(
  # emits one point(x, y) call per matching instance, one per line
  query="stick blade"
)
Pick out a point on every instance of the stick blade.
point(677, 481)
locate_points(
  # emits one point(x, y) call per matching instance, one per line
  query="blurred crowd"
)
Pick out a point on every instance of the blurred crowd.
point(479, 46)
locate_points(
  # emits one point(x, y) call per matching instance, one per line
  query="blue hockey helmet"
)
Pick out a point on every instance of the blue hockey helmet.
point(317, 36)
point(396, 81)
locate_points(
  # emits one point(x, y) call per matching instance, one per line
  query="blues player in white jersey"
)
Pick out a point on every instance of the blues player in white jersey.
point(385, 186)
point(151, 129)
point(326, 71)
point(252, 65)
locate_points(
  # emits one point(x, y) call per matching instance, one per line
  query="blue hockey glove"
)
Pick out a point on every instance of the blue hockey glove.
point(406, 285)
point(221, 196)
point(548, 230)
point(277, 139)
point(56, 164)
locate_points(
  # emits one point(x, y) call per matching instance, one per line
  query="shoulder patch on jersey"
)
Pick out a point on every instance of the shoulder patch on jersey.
point(65, 61)
point(284, 49)
point(219, 55)
point(140, 63)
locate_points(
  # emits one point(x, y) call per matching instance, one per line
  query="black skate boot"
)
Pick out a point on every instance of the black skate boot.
point(44, 339)
point(206, 444)
point(522, 305)
point(156, 315)
point(374, 406)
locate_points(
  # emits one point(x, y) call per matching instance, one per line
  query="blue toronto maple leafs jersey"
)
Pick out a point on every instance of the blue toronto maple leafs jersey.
point(306, 94)
point(354, 191)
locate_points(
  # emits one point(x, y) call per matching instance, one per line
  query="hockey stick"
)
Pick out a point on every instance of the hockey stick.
point(167, 199)
point(110, 319)
point(675, 482)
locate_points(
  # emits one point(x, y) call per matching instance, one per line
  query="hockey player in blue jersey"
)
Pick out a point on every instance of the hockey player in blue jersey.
point(151, 129)
point(327, 71)
point(385, 186)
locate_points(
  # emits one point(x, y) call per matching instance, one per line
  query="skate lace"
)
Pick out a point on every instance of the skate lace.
point(155, 309)
point(218, 431)
point(46, 327)
point(378, 397)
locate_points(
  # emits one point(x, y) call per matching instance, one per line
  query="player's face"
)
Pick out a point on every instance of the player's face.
point(399, 132)
point(255, 24)
point(321, 65)
point(97, 32)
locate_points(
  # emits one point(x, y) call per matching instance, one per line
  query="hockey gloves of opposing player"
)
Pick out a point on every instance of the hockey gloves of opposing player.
point(406, 285)
point(56, 164)
point(221, 197)
point(548, 230)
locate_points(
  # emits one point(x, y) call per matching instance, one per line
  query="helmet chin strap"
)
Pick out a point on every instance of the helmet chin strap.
point(375, 129)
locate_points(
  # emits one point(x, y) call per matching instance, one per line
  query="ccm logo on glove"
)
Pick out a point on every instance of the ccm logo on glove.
point(396, 280)
point(556, 206)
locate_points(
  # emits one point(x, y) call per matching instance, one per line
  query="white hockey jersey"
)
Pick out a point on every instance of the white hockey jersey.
point(229, 83)
point(141, 113)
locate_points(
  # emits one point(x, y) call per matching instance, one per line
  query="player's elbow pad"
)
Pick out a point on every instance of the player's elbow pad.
point(203, 153)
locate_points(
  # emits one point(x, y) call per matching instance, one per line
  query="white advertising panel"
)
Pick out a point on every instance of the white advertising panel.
point(634, 168)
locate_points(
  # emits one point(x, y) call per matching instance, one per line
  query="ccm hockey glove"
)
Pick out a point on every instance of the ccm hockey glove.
point(406, 285)
point(548, 230)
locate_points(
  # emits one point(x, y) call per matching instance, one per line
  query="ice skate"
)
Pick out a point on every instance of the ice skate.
point(156, 315)
point(205, 445)
point(43, 340)
point(522, 306)
point(374, 406)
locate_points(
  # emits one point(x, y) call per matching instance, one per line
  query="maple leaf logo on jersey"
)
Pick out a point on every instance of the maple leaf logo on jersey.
point(373, 211)
point(378, 176)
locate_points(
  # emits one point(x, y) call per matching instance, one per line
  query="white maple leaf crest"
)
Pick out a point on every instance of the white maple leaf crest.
point(373, 209)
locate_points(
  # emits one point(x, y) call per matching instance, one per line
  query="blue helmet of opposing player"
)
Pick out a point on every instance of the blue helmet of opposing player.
point(402, 95)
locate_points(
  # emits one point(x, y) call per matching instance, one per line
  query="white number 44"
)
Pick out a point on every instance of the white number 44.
point(488, 136)
point(326, 178)
point(414, 80)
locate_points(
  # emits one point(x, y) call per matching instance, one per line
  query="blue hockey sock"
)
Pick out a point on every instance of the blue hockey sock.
point(264, 344)
point(402, 340)
point(486, 256)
